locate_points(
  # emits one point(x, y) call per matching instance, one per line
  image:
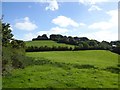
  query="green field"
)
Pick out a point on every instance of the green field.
point(99, 58)
point(69, 69)
point(48, 43)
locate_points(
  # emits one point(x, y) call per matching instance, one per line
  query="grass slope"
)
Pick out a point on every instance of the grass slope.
point(48, 43)
point(67, 70)
point(99, 58)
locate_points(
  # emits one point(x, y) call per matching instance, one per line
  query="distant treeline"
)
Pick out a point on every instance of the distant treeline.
point(81, 43)
point(46, 48)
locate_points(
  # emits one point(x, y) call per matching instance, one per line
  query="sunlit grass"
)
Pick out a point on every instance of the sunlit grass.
point(69, 69)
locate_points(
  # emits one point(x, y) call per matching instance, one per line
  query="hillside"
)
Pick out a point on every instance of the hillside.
point(57, 42)
point(67, 69)
point(99, 58)
point(48, 43)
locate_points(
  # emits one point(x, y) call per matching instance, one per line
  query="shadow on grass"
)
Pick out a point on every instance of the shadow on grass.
point(67, 66)
point(113, 69)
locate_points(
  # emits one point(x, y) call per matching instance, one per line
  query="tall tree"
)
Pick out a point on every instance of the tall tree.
point(6, 34)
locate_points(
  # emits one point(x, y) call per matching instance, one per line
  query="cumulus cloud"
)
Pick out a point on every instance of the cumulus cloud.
point(29, 36)
point(93, 2)
point(54, 30)
point(82, 24)
point(106, 25)
point(101, 25)
point(25, 24)
point(63, 21)
point(94, 8)
point(102, 35)
point(107, 30)
point(58, 30)
point(53, 5)
point(114, 17)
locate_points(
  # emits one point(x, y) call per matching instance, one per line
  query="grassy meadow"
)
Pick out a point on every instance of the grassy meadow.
point(59, 44)
point(67, 69)
point(48, 43)
point(99, 58)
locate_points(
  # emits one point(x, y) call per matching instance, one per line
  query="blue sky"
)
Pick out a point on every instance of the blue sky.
point(95, 20)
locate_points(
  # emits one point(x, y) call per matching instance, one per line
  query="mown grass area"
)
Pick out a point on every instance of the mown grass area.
point(48, 43)
point(70, 69)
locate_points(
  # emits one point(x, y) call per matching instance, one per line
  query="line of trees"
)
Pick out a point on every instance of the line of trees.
point(81, 43)
point(46, 48)
point(64, 48)
point(43, 37)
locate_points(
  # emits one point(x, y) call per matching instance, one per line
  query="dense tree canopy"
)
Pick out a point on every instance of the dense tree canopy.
point(81, 43)
point(43, 37)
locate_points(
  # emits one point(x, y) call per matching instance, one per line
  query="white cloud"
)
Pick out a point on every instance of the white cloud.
point(114, 17)
point(102, 35)
point(93, 2)
point(63, 21)
point(101, 25)
point(94, 8)
point(25, 24)
point(82, 24)
point(29, 36)
point(106, 30)
point(86, 2)
point(53, 5)
point(57, 30)
point(106, 25)
point(54, 30)
point(43, 32)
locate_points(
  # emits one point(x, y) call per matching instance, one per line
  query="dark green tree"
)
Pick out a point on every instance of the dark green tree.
point(85, 45)
point(6, 34)
point(105, 45)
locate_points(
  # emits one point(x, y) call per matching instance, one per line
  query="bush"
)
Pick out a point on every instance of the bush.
point(11, 59)
point(6, 61)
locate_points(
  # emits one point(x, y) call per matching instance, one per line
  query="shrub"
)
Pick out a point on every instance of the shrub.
point(11, 59)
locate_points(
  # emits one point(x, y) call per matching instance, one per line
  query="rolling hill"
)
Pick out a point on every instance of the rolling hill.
point(48, 43)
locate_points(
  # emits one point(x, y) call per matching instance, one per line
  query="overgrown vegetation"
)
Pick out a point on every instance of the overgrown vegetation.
point(13, 51)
